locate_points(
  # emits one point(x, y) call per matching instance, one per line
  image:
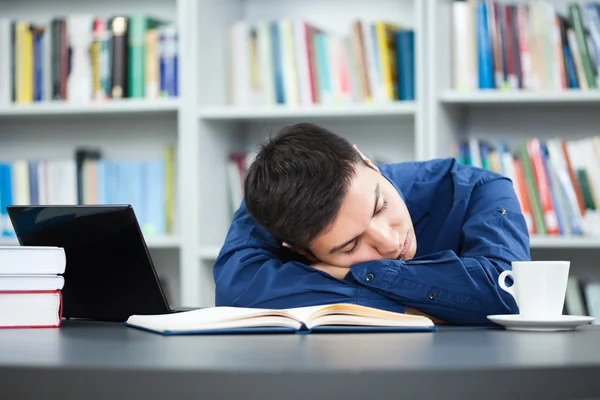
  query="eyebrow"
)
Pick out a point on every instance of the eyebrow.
point(341, 246)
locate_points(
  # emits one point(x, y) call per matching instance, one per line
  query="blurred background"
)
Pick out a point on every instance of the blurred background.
point(162, 103)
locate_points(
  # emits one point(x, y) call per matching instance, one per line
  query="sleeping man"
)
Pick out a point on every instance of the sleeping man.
point(320, 224)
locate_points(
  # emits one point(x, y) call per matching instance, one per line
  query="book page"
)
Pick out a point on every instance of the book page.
point(215, 318)
point(341, 312)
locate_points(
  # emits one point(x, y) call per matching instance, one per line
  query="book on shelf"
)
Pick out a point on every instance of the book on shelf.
point(81, 58)
point(557, 182)
point(295, 63)
point(530, 46)
point(30, 286)
point(323, 318)
point(582, 298)
point(89, 178)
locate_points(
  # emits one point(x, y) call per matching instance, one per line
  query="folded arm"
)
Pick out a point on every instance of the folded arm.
point(460, 288)
point(249, 272)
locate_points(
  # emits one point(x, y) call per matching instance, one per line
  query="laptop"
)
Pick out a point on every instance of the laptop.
point(109, 274)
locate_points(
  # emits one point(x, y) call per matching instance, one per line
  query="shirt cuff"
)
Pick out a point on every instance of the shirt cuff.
point(386, 276)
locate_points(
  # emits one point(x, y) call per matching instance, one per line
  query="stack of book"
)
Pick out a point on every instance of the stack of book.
point(295, 63)
point(525, 46)
point(557, 181)
point(30, 286)
point(90, 178)
point(83, 57)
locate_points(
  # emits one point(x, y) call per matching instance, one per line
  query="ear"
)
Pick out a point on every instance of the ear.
point(304, 253)
point(366, 160)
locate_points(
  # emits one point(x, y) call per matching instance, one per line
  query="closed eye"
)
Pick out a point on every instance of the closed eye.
point(383, 207)
point(354, 248)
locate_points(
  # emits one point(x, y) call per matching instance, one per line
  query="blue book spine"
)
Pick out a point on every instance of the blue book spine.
point(38, 62)
point(277, 63)
point(406, 64)
point(553, 189)
point(323, 67)
point(100, 182)
point(171, 66)
point(593, 22)
point(570, 66)
point(156, 204)
point(136, 177)
point(162, 63)
point(6, 200)
point(33, 183)
point(484, 49)
point(109, 181)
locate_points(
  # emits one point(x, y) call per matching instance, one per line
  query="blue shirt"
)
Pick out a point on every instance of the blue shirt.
point(469, 228)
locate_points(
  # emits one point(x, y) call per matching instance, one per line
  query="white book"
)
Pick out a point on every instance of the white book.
point(301, 48)
point(20, 283)
point(339, 317)
point(370, 61)
point(592, 299)
point(25, 260)
point(240, 63)
point(80, 38)
point(30, 309)
point(47, 62)
point(20, 183)
point(289, 62)
point(462, 33)
point(266, 63)
point(5, 63)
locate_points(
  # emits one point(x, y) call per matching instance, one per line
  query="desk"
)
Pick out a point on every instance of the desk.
point(94, 360)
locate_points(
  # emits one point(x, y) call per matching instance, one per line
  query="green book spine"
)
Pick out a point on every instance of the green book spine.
point(586, 191)
point(138, 25)
point(577, 22)
point(532, 193)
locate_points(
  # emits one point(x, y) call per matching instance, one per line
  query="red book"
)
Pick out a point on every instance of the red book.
point(31, 309)
point(543, 186)
point(309, 31)
point(521, 192)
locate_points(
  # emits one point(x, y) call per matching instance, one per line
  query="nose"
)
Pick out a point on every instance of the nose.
point(385, 239)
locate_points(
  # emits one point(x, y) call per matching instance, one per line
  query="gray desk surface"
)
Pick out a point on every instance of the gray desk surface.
point(108, 361)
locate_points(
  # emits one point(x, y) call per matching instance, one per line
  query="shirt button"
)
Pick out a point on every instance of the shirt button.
point(502, 211)
point(432, 295)
point(369, 277)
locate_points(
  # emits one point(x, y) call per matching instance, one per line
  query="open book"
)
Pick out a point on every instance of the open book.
point(334, 317)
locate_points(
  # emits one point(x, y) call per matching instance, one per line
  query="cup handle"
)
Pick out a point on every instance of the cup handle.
point(511, 290)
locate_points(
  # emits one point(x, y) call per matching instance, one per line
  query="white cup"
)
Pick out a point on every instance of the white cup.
point(539, 287)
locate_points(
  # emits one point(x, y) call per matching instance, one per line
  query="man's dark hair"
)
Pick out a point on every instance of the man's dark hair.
point(298, 181)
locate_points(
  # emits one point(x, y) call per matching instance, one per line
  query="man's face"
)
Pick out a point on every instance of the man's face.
point(373, 224)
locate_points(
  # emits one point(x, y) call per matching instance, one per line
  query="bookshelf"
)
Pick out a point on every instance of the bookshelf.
point(107, 109)
point(566, 97)
point(232, 113)
point(386, 131)
point(205, 128)
point(512, 115)
point(123, 129)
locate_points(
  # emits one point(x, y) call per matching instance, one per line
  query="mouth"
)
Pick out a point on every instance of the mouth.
point(405, 248)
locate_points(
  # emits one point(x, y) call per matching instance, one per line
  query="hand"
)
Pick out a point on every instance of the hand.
point(336, 272)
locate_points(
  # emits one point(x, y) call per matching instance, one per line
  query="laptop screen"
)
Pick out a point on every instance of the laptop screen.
point(109, 273)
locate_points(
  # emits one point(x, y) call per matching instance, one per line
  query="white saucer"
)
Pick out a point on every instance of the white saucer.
point(518, 323)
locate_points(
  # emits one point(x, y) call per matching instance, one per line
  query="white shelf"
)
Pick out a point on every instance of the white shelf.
point(5, 241)
point(61, 108)
point(209, 252)
point(285, 112)
point(517, 97)
point(165, 242)
point(564, 242)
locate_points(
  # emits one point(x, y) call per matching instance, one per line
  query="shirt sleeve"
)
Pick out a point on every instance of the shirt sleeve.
point(250, 272)
point(461, 288)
